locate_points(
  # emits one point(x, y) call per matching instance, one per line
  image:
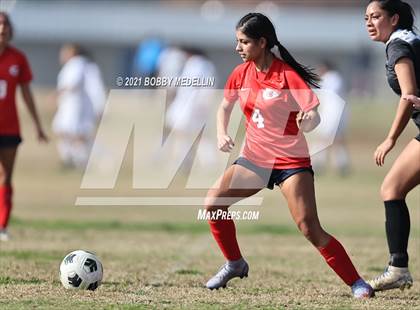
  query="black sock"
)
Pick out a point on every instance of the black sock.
point(397, 226)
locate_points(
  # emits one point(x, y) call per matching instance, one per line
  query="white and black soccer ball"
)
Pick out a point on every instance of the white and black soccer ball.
point(81, 270)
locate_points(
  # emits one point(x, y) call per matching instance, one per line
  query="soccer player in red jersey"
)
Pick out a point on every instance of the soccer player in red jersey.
point(278, 104)
point(14, 71)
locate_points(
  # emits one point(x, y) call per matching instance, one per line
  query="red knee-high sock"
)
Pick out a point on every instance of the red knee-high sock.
point(337, 258)
point(224, 233)
point(5, 205)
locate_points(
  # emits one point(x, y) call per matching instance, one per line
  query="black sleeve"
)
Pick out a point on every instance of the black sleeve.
point(398, 49)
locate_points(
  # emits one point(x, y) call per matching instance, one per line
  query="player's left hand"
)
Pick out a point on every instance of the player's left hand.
point(299, 118)
point(307, 121)
point(413, 100)
point(382, 150)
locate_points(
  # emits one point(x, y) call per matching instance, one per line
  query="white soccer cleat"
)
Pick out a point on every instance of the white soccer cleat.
point(4, 236)
point(393, 277)
point(226, 273)
point(361, 289)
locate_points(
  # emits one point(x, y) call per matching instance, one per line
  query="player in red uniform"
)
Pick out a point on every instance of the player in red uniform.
point(14, 71)
point(278, 105)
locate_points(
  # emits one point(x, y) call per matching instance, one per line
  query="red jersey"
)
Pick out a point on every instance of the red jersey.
point(270, 102)
point(14, 70)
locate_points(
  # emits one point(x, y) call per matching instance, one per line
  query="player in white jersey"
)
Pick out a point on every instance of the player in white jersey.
point(191, 106)
point(80, 101)
point(334, 113)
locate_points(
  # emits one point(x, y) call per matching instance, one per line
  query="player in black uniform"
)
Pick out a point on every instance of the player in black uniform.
point(391, 22)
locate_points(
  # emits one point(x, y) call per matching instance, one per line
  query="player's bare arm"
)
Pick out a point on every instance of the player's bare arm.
point(224, 141)
point(30, 104)
point(404, 69)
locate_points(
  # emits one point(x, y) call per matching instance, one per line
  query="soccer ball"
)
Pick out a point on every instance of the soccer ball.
point(81, 270)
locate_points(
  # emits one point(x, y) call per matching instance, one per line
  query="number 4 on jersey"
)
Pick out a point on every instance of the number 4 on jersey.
point(258, 118)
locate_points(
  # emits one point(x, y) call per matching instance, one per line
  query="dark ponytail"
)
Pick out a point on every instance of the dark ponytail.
point(402, 9)
point(256, 26)
point(305, 72)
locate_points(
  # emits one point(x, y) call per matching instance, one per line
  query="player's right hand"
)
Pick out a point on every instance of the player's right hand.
point(414, 100)
point(225, 143)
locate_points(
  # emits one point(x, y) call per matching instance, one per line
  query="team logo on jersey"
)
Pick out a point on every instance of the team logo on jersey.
point(269, 93)
point(14, 70)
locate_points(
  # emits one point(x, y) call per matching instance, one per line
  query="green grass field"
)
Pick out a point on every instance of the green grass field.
point(161, 257)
